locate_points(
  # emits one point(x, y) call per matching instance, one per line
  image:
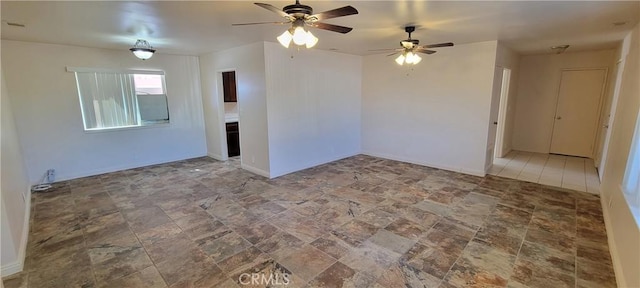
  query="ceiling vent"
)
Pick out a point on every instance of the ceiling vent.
point(559, 49)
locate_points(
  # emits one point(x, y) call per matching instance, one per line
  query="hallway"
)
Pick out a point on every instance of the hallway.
point(568, 172)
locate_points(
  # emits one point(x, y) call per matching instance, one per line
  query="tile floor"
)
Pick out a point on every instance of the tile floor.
point(357, 222)
point(568, 172)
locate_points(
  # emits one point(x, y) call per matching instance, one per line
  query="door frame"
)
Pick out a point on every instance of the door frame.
point(603, 90)
point(502, 112)
point(612, 112)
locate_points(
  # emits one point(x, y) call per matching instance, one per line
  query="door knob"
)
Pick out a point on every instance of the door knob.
point(495, 123)
point(605, 126)
point(559, 117)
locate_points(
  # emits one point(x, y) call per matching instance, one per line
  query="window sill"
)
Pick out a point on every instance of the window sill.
point(116, 129)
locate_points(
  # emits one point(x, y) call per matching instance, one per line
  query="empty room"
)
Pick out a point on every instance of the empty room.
point(320, 144)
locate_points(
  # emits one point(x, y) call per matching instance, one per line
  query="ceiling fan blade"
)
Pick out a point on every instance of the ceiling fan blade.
point(386, 49)
point(448, 44)
point(331, 27)
point(394, 53)
point(257, 23)
point(339, 12)
point(274, 9)
point(425, 51)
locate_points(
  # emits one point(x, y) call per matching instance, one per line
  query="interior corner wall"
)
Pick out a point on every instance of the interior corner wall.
point(313, 103)
point(248, 62)
point(508, 58)
point(538, 85)
point(14, 191)
point(49, 120)
point(622, 228)
point(435, 113)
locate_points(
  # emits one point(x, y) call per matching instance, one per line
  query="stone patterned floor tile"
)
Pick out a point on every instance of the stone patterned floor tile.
point(357, 222)
point(307, 262)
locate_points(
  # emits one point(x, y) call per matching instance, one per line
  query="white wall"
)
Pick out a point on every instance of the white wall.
point(14, 193)
point(622, 229)
point(249, 63)
point(313, 103)
point(435, 113)
point(538, 86)
point(507, 58)
point(49, 121)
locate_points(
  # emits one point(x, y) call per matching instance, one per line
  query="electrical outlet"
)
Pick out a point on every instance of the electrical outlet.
point(253, 159)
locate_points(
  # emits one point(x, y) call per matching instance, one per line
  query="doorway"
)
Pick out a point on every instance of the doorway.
point(496, 144)
point(577, 112)
point(231, 115)
point(500, 148)
point(606, 121)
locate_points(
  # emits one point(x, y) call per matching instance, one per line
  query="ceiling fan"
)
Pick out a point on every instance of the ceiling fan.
point(299, 16)
point(410, 48)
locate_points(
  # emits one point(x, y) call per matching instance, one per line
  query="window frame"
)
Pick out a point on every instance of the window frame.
point(142, 124)
point(633, 164)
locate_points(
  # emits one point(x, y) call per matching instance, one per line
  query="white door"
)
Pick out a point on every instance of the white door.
point(493, 117)
point(576, 118)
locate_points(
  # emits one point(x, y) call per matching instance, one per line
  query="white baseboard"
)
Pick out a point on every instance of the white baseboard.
point(11, 268)
point(18, 265)
point(217, 157)
point(313, 164)
point(255, 170)
point(473, 172)
point(613, 250)
point(87, 173)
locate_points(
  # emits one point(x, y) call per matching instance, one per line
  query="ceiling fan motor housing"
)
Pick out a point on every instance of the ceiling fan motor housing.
point(414, 41)
point(298, 10)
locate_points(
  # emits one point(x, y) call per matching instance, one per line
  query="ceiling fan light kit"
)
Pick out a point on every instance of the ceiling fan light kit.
point(408, 58)
point(409, 49)
point(142, 49)
point(302, 15)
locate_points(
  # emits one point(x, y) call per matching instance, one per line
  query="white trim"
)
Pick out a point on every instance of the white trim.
point(87, 173)
point(314, 164)
point(11, 268)
point(613, 249)
point(255, 170)
point(473, 172)
point(216, 156)
point(18, 265)
point(109, 70)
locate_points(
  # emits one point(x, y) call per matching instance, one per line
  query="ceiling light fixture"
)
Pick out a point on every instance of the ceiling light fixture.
point(298, 35)
point(408, 57)
point(142, 49)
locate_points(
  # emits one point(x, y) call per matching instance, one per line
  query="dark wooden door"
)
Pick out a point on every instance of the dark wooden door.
point(229, 86)
point(233, 139)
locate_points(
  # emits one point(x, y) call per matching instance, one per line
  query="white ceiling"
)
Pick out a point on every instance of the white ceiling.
point(193, 28)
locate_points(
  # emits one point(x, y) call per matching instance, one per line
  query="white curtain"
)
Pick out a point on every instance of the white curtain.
point(108, 100)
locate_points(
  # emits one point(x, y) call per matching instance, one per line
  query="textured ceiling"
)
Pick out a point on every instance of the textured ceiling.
point(193, 28)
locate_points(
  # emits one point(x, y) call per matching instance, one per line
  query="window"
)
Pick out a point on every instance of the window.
point(631, 183)
point(111, 99)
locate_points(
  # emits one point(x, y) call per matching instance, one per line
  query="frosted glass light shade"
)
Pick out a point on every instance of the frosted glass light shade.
point(416, 59)
point(299, 36)
point(400, 60)
point(311, 40)
point(285, 39)
point(142, 54)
